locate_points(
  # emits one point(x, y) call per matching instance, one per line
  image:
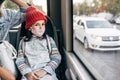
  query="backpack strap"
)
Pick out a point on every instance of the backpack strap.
point(47, 40)
point(23, 44)
point(11, 49)
point(48, 43)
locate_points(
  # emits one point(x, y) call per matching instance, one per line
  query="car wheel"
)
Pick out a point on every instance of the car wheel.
point(86, 46)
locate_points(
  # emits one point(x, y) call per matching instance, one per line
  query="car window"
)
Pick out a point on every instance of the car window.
point(82, 24)
point(78, 22)
point(98, 24)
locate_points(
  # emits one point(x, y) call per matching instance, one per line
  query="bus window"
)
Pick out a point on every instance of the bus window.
point(93, 45)
point(41, 4)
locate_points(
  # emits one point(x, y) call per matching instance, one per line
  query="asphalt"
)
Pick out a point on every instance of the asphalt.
point(104, 65)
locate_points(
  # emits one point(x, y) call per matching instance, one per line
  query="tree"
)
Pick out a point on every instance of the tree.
point(115, 9)
point(11, 5)
point(112, 6)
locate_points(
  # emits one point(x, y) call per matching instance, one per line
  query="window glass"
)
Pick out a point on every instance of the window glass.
point(98, 43)
point(41, 4)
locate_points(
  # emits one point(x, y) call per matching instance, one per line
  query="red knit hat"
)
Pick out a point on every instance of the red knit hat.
point(33, 15)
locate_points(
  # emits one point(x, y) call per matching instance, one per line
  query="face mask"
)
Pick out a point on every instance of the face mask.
point(38, 32)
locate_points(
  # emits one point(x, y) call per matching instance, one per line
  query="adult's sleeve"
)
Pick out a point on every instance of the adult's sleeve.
point(15, 17)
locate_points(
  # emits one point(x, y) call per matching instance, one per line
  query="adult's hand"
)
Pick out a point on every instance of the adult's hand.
point(6, 75)
point(20, 3)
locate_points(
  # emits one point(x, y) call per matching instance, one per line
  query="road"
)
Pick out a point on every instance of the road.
point(104, 65)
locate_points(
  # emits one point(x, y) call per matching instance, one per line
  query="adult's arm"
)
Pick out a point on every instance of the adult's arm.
point(16, 17)
point(6, 75)
point(20, 3)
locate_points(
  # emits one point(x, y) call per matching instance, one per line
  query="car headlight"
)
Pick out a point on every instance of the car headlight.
point(96, 37)
point(99, 38)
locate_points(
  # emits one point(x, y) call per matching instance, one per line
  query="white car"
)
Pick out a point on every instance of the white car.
point(97, 33)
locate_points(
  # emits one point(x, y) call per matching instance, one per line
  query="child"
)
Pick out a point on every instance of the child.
point(34, 60)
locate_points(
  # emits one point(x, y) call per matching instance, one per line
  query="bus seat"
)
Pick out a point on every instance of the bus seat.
point(50, 30)
point(14, 34)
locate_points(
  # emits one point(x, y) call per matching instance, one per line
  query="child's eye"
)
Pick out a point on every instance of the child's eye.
point(36, 24)
point(43, 24)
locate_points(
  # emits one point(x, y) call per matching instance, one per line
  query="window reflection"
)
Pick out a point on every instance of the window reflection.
point(40, 4)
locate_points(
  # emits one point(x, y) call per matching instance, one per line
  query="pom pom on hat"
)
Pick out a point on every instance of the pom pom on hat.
point(32, 15)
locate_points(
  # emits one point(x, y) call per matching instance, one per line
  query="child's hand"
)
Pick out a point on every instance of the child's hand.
point(40, 73)
point(31, 76)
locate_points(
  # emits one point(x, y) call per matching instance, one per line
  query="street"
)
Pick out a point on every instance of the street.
point(102, 64)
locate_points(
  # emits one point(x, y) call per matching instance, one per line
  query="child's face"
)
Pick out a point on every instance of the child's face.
point(38, 28)
point(39, 25)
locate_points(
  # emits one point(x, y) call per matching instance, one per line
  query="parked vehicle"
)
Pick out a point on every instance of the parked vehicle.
point(105, 15)
point(97, 33)
point(115, 20)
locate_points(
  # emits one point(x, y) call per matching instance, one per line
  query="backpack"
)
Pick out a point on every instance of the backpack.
point(7, 57)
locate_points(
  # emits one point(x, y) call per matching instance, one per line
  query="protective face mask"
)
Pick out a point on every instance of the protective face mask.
point(38, 32)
